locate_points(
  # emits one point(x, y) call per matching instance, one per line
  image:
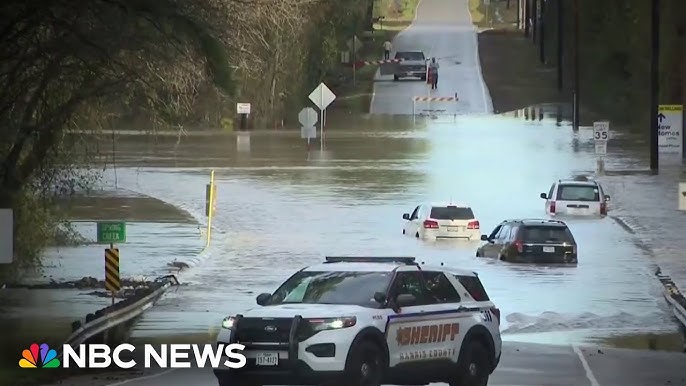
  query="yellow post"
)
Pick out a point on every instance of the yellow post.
point(210, 212)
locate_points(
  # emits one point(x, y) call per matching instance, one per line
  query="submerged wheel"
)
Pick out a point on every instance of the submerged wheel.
point(416, 235)
point(396, 77)
point(473, 368)
point(403, 231)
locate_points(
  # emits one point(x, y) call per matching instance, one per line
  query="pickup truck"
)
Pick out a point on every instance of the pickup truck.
point(413, 64)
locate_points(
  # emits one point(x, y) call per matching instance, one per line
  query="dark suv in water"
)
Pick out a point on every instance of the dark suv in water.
point(530, 241)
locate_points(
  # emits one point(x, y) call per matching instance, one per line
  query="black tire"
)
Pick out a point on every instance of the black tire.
point(478, 254)
point(502, 258)
point(403, 231)
point(396, 77)
point(416, 235)
point(366, 365)
point(474, 366)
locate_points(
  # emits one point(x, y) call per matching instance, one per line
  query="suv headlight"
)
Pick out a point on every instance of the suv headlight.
point(228, 322)
point(322, 324)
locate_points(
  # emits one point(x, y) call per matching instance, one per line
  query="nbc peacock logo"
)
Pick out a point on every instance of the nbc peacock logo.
point(36, 357)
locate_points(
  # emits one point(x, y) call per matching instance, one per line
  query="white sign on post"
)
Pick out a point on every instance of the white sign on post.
point(307, 116)
point(670, 121)
point(322, 97)
point(6, 236)
point(682, 196)
point(242, 108)
point(307, 132)
point(601, 133)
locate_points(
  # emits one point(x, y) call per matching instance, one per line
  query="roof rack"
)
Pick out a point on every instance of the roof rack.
point(371, 259)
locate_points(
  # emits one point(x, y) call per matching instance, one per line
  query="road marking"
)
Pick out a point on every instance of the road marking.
point(587, 368)
point(142, 378)
point(416, 13)
point(484, 93)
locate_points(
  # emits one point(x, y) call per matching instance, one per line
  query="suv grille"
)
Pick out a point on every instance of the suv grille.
point(273, 330)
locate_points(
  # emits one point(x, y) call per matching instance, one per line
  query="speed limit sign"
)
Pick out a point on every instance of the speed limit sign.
point(601, 131)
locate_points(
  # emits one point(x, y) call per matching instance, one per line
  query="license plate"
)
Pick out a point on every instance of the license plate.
point(267, 359)
point(549, 249)
point(453, 229)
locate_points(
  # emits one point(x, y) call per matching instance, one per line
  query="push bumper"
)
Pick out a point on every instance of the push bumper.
point(290, 371)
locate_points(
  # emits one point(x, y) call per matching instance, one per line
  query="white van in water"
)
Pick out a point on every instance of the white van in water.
point(442, 221)
point(577, 197)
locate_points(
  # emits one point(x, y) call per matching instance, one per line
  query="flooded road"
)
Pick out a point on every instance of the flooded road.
point(280, 209)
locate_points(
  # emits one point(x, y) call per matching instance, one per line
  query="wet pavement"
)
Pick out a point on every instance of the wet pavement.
point(521, 365)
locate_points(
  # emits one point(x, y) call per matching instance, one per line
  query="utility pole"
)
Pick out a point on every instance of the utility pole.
point(534, 19)
point(560, 41)
point(654, 83)
point(576, 66)
point(527, 17)
point(542, 32)
point(519, 13)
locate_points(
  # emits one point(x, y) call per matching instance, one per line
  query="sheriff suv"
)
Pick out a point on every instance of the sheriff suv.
point(357, 321)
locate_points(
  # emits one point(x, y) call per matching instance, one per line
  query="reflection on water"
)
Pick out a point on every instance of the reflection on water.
point(280, 208)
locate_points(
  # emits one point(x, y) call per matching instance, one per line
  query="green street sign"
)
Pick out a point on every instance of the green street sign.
point(111, 232)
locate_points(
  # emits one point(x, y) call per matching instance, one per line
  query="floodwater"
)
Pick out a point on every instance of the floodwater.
point(280, 208)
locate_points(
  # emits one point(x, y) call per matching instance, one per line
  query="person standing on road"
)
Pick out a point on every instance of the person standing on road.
point(387, 47)
point(433, 73)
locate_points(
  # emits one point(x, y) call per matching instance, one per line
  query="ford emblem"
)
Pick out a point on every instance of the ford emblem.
point(270, 328)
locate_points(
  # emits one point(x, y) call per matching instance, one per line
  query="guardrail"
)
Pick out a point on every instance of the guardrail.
point(119, 313)
point(675, 299)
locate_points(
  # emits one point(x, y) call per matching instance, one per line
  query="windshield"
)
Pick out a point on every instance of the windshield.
point(451, 213)
point(578, 193)
point(543, 234)
point(356, 288)
point(409, 55)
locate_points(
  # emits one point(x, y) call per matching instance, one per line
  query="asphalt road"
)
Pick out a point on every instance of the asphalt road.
point(442, 29)
point(523, 364)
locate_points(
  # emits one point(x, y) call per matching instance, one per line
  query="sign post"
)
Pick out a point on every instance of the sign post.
point(354, 45)
point(670, 131)
point(322, 97)
point(112, 232)
point(243, 110)
point(6, 236)
point(308, 118)
point(210, 205)
point(601, 134)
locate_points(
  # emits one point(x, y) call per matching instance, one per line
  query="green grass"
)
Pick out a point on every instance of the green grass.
point(494, 15)
point(355, 97)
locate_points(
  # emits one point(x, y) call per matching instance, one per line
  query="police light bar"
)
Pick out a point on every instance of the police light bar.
point(370, 259)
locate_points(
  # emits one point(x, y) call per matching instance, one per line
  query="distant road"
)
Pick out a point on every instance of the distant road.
point(442, 29)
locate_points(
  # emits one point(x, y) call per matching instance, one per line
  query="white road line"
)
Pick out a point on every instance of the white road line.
point(142, 378)
point(587, 368)
point(416, 13)
point(484, 93)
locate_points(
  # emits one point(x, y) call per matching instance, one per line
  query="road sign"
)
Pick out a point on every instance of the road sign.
point(670, 129)
point(322, 96)
point(6, 236)
point(601, 131)
point(682, 196)
point(242, 108)
point(308, 117)
point(601, 147)
point(307, 132)
point(111, 232)
point(112, 280)
point(354, 44)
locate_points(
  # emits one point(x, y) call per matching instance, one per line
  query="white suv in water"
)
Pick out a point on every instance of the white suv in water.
point(576, 197)
point(363, 321)
point(442, 221)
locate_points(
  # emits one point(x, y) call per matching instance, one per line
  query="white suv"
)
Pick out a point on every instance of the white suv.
point(357, 321)
point(577, 197)
point(438, 221)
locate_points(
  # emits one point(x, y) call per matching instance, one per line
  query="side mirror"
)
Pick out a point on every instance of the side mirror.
point(484, 237)
point(380, 297)
point(607, 197)
point(405, 300)
point(406, 216)
point(544, 196)
point(263, 299)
